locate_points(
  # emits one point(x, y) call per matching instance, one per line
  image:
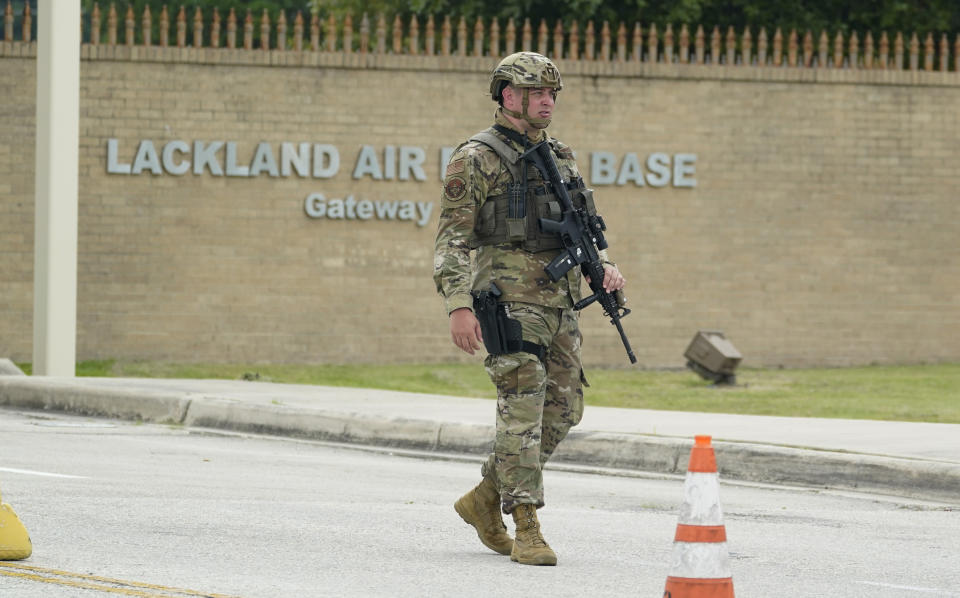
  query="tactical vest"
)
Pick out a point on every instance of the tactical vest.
point(513, 217)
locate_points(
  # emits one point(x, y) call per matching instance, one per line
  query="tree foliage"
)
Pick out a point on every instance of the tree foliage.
point(920, 16)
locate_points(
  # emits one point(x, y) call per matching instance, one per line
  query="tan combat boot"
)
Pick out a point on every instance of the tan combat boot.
point(481, 508)
point(529, 547)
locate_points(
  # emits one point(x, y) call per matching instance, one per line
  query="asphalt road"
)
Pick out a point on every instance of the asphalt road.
point(146, 510)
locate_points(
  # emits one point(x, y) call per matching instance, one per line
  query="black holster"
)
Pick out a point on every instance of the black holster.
point(501, 333)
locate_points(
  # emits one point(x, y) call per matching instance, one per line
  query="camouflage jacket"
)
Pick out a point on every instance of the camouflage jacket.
point(476, 171)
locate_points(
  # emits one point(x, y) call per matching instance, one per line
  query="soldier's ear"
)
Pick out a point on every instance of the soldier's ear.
point(507, 89)
point(501, 85)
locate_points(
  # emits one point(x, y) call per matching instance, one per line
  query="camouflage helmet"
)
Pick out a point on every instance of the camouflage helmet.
point(524, 69)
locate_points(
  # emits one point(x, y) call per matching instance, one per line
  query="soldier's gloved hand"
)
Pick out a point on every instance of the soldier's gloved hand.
point(465, 330)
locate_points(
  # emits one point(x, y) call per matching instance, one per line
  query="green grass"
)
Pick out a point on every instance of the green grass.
point(929, 393)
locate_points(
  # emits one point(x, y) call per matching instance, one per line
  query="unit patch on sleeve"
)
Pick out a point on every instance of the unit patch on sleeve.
point(455, 167)
point(455, 188)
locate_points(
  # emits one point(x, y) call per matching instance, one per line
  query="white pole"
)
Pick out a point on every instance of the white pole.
point(57, 151)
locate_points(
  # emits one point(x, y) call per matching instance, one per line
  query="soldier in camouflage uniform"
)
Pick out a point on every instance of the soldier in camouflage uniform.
point(491, 207)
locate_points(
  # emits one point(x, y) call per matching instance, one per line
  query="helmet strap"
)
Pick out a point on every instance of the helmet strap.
point(512, 113)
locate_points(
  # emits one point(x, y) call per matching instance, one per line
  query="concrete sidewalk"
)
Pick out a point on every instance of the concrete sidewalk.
point(916, 460)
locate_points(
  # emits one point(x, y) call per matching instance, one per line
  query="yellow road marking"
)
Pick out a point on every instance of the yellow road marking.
point(102, 584)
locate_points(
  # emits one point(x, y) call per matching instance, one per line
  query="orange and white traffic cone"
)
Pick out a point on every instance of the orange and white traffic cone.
point(14, 539)
point(701, 563)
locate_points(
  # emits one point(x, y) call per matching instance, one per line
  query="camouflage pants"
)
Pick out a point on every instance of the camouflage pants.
point(537, 403)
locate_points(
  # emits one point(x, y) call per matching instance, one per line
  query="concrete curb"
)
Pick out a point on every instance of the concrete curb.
point(771, 464)
point(229, 414)
point(58, 395)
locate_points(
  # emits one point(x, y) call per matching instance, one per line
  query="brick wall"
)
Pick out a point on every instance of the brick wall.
point(821, 231)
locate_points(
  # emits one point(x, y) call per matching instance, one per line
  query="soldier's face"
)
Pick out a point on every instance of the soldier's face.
point(541, 101)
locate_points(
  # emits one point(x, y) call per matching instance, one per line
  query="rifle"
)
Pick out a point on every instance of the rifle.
point(582, 236)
